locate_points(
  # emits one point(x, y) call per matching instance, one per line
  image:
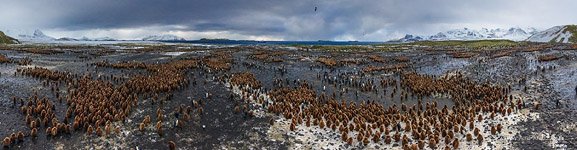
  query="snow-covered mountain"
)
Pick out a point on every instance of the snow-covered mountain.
point(410, 38)
point(518, 34)
point(87, 39)
point(515, 34)
point(165, 37)
point(66, 39)
point(37, 36)
point(559, 34)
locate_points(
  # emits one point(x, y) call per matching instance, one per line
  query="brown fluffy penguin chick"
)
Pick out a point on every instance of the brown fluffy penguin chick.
point(456, 143)
point(54, 131)
point(7, 142)
point(480, 139)
point(414, 146)
point(171, 145)
point(48, 131)
point(350, 141)
point(421, 144)
point(493, 130)
point(159, 128)
point(34, 132)
point(107, 129)
point(366, 141)
point(89, 130)
point(405, 140)
point(141, 126)
point(117, 130)
point(13, 137)
point(20, 136)
point(432, 143)
point(476, 131)
point(387, 139)
point(397, 137)
point(99, 131)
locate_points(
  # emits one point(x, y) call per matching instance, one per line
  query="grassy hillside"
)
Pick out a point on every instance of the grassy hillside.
point(4, 39)
point(567, 28)
point(573, 30)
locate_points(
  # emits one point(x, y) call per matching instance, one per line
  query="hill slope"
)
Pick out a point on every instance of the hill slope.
point(4, 39)
point(556, 34)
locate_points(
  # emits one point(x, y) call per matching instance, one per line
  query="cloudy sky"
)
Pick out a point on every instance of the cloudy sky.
point(364, 20)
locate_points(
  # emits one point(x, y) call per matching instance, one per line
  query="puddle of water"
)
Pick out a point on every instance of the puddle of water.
point(174, 53)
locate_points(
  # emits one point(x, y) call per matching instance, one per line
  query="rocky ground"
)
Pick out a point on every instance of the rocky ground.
point(551, 84)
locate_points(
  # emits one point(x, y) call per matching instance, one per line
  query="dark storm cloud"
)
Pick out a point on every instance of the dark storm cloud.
point(287, 19)
point(198, 15)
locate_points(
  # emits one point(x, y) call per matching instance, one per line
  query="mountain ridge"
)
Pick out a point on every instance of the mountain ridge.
point(515, 34)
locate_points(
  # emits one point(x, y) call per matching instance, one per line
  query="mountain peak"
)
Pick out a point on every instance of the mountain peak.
point(37, 36)
point(37, 32)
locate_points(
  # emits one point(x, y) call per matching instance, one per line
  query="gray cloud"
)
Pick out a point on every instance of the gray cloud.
point(375, 20)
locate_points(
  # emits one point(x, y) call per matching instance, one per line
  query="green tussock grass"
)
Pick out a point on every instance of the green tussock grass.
point(573, 30)
point(568, 28)
point(4, 39)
